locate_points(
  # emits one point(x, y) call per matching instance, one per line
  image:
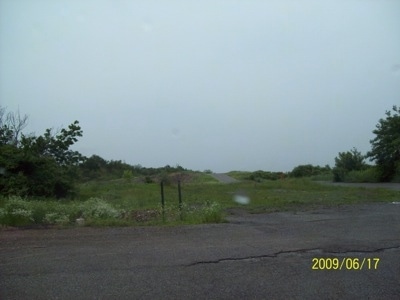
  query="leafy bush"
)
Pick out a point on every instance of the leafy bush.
point(148, 179)
point(17, 212)
point(56, 218)
point(309, 170)
point(20, 212)
point(386, 145)
point(38, 165)
point(368, 175)
point(127, 175)
point(2, 216)
point(165, 178)
point(260, 175)
point(346, 162)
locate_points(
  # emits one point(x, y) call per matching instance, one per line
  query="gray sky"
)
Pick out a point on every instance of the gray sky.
point(220, 85)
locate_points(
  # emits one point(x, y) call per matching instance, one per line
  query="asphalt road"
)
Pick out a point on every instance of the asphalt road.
point(266, 256)
point(224, 178)
point(378, 185)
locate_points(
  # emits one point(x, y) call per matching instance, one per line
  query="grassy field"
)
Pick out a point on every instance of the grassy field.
point(122, 202)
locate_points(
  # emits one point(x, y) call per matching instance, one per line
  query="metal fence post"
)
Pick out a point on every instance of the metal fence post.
point(162, 200)
point(180, 198)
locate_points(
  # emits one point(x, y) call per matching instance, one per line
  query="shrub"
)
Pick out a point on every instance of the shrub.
point(96, 208)
point(148, 179)
point(127, 175)
point(39, 211)
point(348, 161)
point(368, 175)
point(338, 174)
point(2, 216)
point(56, 218)
point(165, 178)
point(260, 175)
point(17, 212)
point(386, 145)
point(309, 170)
point(212, 213)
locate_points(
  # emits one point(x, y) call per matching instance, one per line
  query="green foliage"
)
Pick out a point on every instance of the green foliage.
point(309, 170)
point(348, 161)
point(206, 212)
point(212, 213)
point(202, 202)
point(19, 212)
point(240, 175)
point(11, 125)
point(30, 175)
point(16, 212)
point(148, 179)
point(97, 168)
point(164, 178)
point(386, 145)
point(37, 165)
point(55, 146)
point(260, 175)
point(322, 177)
point(96, 208)
point(93, 167)
point(127, 175)
point(370, 174)
point(6, 135)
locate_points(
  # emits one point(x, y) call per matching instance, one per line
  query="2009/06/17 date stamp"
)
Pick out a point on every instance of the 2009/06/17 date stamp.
point(345, 263)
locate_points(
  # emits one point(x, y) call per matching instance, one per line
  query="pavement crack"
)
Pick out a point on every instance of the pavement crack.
point(248, 258)
point(298, 251)
point(364, 251)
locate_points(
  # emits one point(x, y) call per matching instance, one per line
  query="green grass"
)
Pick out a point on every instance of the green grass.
point(123, 203)
point(322, 177)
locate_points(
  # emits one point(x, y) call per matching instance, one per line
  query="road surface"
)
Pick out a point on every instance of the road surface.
point(378, 185)
point(265, 256)
point(224, 178)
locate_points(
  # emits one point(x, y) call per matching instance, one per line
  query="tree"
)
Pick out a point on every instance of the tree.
point(309, 170)
point(37, 165)
point(386, 145)
point(348, 161)
point(11, 126)
point(56, 145)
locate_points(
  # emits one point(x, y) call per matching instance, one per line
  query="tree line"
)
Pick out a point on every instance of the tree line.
point(45, 166)
point(352, 166)
point(385, 152)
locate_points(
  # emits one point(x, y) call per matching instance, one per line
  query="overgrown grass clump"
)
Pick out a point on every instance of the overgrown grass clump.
point(19, 212)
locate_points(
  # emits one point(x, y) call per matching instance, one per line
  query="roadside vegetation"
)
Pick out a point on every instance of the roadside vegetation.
point(122, 203)
point(45, 183)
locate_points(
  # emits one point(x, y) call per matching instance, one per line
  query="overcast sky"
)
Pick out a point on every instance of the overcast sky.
point(220, 85)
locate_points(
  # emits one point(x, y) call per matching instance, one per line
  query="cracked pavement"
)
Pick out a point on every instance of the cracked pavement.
point(265, 256)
